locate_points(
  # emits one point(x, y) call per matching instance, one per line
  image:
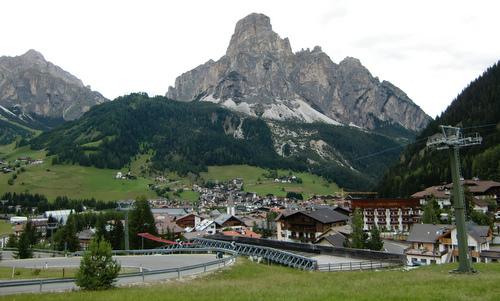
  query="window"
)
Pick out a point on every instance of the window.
point(433, 261)
point(424, 261)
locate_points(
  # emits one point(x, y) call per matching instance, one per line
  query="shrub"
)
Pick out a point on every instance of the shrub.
point(98, 270)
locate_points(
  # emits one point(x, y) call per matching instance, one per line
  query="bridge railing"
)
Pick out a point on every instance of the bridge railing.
point(270, 254)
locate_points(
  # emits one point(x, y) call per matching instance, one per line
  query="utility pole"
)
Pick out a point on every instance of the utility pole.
point(126, 206)
point(125, 229)
point(453, 140)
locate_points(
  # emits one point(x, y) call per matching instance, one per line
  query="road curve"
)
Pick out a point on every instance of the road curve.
point(147, 262)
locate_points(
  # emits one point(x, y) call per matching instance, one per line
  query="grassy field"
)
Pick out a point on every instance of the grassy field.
point(254, 181)
point(77, 181)
point(251, 281)
point(73, 181)
point(26, 273)
point(5, 228)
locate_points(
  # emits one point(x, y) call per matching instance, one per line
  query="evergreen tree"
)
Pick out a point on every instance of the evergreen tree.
point(358, 238)
point(117, 235)
point(98, 270)
point(100, 227)
point(65, 238)
point(431, 212)
point(375, 242)
point(31, 233)
point(73, 244)
point(23, 247)
point(141, 220)
point(12, 241)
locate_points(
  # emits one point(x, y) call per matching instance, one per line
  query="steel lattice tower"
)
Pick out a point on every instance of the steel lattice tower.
point(452, 139)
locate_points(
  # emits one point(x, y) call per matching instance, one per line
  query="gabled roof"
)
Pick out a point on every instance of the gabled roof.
point(428, 233)
point(221, 219)
point(444, 191)
point(187, 215)
point(323, 215)
point(85, 234)
point(336, 240)
point(479, 233)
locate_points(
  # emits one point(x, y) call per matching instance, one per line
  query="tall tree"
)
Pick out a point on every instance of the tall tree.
point(65, 238)
point(358, 238)
point(117, 235)
point(431, 212)
point(141, 220)
point(374, 242)
point(31, 233)
point(100, 227)
point(23, 247)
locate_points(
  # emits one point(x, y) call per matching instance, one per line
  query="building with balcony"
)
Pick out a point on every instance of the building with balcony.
point(388, 214)
point(307, 225)
point(436, 244)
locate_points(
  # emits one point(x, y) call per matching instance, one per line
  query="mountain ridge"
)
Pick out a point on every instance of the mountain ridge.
point(34, 85)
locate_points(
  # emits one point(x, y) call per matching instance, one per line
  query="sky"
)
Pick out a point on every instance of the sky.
point(429, 49)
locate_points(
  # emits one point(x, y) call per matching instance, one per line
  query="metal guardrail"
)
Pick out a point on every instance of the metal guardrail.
point(37, 250)
point(219, 262)
point(271, 254)
point(358, 266)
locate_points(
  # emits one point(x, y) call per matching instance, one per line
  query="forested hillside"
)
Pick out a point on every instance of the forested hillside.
point(188, 137)
point(476, 109)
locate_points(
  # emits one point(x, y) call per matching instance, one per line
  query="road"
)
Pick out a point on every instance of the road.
point(149, 262)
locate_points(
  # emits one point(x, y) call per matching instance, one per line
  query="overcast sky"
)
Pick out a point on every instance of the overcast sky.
point(430, 49)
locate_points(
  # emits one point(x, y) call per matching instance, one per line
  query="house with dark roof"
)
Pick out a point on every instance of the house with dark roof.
point(331, 239)
point(438, 243)
point(307, 225)
point(228, 221)
point(429, 244)
point(478, 240)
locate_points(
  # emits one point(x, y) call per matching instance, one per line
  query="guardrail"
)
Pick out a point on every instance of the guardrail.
point(358, 266)
point(37, 250)
point(222, 262)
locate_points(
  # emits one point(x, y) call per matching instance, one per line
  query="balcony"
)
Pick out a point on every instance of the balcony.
point(446, 241)
point(424, 252)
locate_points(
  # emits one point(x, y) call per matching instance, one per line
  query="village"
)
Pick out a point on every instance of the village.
point(224, 209)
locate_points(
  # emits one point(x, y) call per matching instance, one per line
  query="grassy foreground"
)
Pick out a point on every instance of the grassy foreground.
point(251, 281)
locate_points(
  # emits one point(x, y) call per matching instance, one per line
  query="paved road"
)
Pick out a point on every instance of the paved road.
point(152, 262)
point(395, 246)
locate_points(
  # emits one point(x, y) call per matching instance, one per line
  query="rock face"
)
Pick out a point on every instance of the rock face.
point(31, 84)
point(260, 75)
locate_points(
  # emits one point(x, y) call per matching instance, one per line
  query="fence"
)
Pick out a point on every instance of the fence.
point(358, 266)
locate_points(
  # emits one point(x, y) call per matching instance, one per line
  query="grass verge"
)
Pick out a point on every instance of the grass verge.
point(251, 281)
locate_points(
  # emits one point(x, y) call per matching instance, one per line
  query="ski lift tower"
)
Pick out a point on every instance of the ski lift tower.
point(452, 139)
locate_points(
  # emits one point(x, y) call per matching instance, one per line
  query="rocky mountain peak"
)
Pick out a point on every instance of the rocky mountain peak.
point(261, 76)
point(254, 34)
point(33, 55)
point(33, 85)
